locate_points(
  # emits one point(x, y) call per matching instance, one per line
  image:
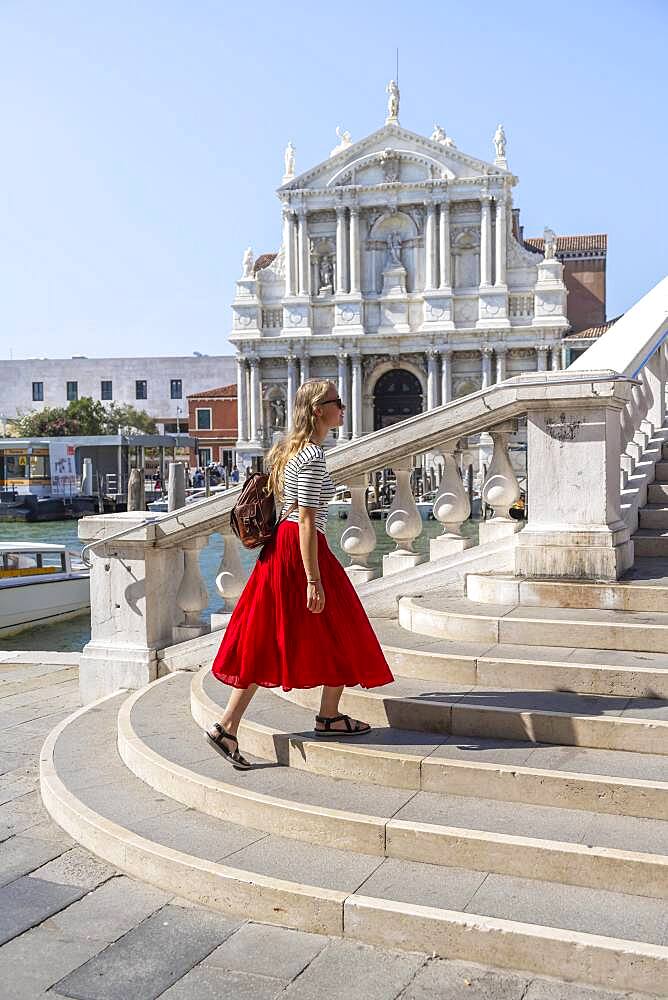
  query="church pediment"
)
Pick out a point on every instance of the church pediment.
point(393, 155)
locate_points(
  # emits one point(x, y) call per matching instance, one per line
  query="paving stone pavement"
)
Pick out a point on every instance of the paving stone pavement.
point(75, 928)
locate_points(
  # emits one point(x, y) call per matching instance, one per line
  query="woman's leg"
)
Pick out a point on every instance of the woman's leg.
point(329, 707)
point(237, 704)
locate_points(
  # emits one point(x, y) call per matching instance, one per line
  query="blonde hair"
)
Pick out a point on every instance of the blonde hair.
point(308, 395)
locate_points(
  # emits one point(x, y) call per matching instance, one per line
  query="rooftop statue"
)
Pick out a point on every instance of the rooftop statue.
point(500, 142)
point(439, 135)
point(549, 243)
point(344, 138)
point(289, 160)
point(392, 102)
point(248, 262)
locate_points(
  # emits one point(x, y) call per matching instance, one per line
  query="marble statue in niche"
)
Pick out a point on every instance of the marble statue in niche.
point(394, 250)
point(326, 273)
point(278, 412)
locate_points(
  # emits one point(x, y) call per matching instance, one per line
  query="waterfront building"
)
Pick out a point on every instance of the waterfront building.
point(403, 276)
point(212, 415)
point(158, 386)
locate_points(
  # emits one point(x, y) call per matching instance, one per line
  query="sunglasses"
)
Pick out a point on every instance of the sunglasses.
point(337, 400)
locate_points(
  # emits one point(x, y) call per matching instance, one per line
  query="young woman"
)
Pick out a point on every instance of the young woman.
point(299, 622)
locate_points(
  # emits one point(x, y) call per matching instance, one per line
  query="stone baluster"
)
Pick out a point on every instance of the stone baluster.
point(356, 361)
point(354, 251)
point(646, 390)
point(485, 241)
point(341, 263)
point(444, 246)
point(344, 429)
point(403, 523)
point(541, 357)
point(486, 366)
point(501, 210)
point(242, 399)
point(656, 382)
point(358, 539)
point(451, 507)
point(289, 251)
point(501, 356)
point(304, 255)
point(255, 399)
point(192, 596)
point(626, 431)
point(500, 489)
point(292, 389)
point(432, 379)
point(446, 376)
point(231, 577)
point(430, 247)
point(640, 408)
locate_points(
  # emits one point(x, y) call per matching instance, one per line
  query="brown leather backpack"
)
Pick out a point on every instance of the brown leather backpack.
point(253, 518)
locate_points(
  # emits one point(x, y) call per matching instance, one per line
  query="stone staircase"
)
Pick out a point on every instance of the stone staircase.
point(510, 806)
point(651, 538)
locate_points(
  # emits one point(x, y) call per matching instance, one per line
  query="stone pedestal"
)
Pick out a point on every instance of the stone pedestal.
point(296, 316)
point(575, 528)
point(493, 309)
point(550, 295)
point(245, 307)
point(498, 527)
point(360, 574)
point(394, 280)
point(448, 545)
point(399, 560)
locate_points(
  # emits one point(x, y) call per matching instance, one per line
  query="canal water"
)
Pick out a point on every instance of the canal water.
point(71, 635)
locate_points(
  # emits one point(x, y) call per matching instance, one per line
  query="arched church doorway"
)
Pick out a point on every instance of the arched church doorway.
point(396, 396)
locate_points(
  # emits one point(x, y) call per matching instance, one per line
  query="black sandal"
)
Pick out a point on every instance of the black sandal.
point(350, 730)
point(233, 756)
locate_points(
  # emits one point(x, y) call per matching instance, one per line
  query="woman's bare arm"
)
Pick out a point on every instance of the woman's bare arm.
point(308, 546)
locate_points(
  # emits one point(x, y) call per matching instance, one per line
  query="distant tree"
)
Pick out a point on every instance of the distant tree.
point(83, 417)
point(129, 419)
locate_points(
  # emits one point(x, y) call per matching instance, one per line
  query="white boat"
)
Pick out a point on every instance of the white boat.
point(40, 583)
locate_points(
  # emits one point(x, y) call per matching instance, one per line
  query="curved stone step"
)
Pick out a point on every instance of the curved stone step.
point(455, 830)
point(539, 668)
point(624, 595)
point(639, 725)
point(589, 628)
point(604, 781)
point(600, 936)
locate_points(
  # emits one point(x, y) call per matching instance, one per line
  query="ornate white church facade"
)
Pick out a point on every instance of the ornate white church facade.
point(399, 277)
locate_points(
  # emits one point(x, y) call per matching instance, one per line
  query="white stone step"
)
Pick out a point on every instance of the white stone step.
point(443, 617)
point(661, 469)
point(640, 725)
point(436, 828)
point(631, 593)
point(653, 516)
point(651, 543)
point(605, 781)
point(548, 668)
point(602, 936)
point(657, 493)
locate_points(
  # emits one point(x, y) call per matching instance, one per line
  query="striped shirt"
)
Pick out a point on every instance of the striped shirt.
point(308, 482)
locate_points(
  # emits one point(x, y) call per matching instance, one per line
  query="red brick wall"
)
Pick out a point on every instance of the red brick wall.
point(223, 433)
point(585, 281)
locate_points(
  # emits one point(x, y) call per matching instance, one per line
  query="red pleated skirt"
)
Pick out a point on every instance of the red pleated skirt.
point(272, 639)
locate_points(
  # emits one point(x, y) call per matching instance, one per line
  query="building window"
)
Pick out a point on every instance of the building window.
point(204, 456)
point(106, 389)
point(176, 388)
point(141, 389)
point(72, 391)
point(203, 419)
point(38, 392)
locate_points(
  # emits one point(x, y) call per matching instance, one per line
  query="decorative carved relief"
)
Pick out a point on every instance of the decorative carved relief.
point(563, 428)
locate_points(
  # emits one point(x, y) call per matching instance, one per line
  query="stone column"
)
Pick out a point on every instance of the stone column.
point(541, 352)
point(432, 383)
point(255, 408)
point(304, 367)
point(430, 248)
point(485, 241)
point(446, 376)
point(344, 429)
point(341, 262)
point(292, 389)
point(556, 357)
point(486, 367)
point(354, 251)
point(501, 241)
point(357, 394)
point(289, 247)
point(304, 263)
point(444, 246)
point(242, 399)
point(501, 355)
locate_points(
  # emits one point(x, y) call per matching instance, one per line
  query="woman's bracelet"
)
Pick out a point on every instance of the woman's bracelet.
point(317, 580)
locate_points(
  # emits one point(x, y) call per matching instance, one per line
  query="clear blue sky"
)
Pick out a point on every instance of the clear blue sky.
point(142, 142)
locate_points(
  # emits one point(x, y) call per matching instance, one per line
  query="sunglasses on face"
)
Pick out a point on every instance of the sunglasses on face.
point(337, 400)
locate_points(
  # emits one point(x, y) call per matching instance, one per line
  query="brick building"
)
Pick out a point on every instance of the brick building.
point(212, 415)
point(584, 260)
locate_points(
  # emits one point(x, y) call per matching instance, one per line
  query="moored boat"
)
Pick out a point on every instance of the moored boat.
point(39, 584)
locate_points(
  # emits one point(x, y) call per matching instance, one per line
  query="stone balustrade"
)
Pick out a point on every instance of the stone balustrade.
point(588, 429)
